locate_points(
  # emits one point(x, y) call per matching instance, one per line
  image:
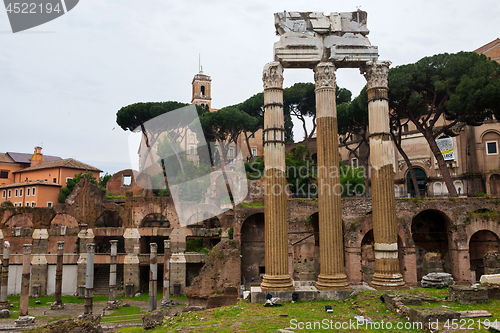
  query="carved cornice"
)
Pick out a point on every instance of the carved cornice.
point(376, 73)
point(272, 76)
point(424, 161)
point(324, 75)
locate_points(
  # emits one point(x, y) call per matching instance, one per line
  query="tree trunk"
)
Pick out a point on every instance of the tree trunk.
point(408, 163)
point(223, 168)
point(248, 146)
point(445, 173)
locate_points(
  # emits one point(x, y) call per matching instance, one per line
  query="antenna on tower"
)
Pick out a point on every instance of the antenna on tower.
point(199, 63)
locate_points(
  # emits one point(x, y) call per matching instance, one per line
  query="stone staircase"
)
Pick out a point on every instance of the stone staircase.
point(101, 280)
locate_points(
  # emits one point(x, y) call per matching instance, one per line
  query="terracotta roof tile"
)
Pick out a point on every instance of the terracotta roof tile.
point(66, 163)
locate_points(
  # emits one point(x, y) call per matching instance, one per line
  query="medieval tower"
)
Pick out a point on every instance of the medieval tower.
point(201, 89)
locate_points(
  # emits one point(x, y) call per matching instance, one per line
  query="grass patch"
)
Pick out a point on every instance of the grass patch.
point(129, 314)
point(252, 204)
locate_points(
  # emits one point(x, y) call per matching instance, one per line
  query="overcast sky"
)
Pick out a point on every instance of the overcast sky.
point(62, 83)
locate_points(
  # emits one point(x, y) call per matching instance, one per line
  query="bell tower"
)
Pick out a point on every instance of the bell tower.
point(201, 89)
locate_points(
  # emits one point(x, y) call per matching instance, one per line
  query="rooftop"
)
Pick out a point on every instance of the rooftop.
point(66, 163)
point(35, 182)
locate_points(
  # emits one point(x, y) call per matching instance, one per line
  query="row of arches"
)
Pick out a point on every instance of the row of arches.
point(108, 219)
point(430, 234)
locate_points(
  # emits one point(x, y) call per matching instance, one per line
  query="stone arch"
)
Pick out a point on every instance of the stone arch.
point(437, 189)
point(109, 219)
point(489, 131)
point(421, 176)
point(459, 187)
point(481, 243)
point(429, 230)
point(64, 220)
point(155, 220)
point(253, 248)
point(22, 220)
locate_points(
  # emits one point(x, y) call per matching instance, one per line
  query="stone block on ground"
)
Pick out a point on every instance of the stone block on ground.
point(4, 313)
point(437, 280)
point(492, 279)
point(153, 319)
point(426, 315)
point(274, 301)
point(468, 295)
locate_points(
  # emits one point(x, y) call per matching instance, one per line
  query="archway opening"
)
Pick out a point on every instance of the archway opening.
point(109, 219)
point(155, 220)
point(481, 243)
point(252, 250)
point(421, 182)
point(429, 231)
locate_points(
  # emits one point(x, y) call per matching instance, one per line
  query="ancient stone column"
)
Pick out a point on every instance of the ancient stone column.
point(166, 276)
point(131, 272)
point(58, 304)
point(25, 280)
point(4, 304)
point(387, 274)
point(112, 274)
point(331, 241)
point(85, 236)
point(276, 276)
point(39, 265)
point(89, 279)
point(153, 273)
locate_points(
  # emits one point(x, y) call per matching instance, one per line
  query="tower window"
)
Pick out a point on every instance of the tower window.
point(202, 90)
point(405, 128)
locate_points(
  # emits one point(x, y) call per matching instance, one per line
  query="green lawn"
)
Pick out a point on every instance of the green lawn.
point(249, 317)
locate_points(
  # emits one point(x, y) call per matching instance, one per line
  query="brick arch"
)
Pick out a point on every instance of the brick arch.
point(367, 225)
point(20, 220)
point(109, 218)
point(140, 213)
point(64, 220)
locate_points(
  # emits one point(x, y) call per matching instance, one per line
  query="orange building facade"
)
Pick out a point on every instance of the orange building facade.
point(36, 180)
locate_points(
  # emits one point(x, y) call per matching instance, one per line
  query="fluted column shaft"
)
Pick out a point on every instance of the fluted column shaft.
point(332, 271)
point(112, 271)
point(89, 279)
point(387, 274)
point(5, 274)
point(276, 276)
point(166, 274)
point(59, 272)
point(153, 276)
point(25, 280)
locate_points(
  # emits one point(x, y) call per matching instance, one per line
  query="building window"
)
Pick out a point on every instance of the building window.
point(68, 178)
point(127, 181)
point(33, 191)
point(20, 192)
point(4, 174)
point(405, 128)
point(49, 204)
point(191, 132)
point(27, 203)
point(15, 204)
point(354, 162)
point(252, 136)
point(33, 204)
point(491, 148)
point(254, 152)
point(231, 152)
point(4, 193)
point(16, 193)
point(191, 150)
point(28, 192)
point(9, 193)
point(202, 90)
point(55, 180)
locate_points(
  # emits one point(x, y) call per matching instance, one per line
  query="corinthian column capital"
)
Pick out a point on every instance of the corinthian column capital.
point(324, 75)
point(376, 73)
point(272, 76)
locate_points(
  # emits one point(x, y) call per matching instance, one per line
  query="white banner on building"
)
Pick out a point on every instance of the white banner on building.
point(446, 147)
